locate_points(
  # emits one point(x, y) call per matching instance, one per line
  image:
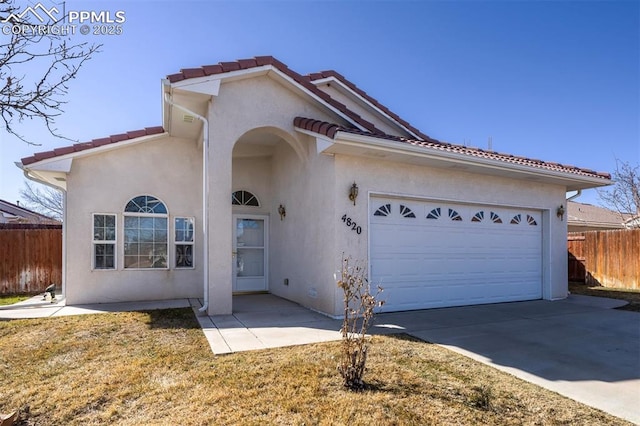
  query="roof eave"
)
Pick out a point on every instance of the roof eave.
point(53, 171)
point(449, 159)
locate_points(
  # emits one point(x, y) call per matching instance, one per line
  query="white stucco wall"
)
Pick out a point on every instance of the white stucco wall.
point(167, 168)
point(303, 242)
point(253, 175)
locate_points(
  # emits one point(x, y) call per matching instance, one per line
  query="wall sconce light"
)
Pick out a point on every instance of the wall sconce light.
point(353, 193)
point(560, 211)
point(282, 212)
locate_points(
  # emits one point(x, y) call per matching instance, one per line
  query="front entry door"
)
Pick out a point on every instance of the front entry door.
point(250, 253)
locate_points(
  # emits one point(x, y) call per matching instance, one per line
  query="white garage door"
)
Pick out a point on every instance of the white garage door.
point(437, 254)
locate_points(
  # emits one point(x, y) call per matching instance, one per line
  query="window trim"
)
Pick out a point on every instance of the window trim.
point(113, 242)
point(166, 215)
point(175, 244)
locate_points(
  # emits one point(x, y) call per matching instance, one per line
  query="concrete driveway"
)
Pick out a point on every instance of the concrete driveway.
point(578, 347)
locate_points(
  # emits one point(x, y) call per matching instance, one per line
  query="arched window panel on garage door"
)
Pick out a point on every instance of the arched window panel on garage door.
point(434, 213)
point(495, 218)
point(383, 210)
point(478, 217)
point(406, 212)
point(531, 221)
point(454, 215)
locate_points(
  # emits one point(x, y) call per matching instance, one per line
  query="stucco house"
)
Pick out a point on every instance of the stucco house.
point(260, 178)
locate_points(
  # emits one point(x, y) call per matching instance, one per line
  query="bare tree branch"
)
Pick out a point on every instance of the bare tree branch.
point(47, 201)
point(25, 95)
point(624, 195)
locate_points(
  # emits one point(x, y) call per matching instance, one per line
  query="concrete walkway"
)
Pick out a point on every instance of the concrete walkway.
point(264, 321)
point(579, 347)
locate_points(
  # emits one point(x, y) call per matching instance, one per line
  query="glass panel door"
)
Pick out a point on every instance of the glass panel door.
point(250, 253)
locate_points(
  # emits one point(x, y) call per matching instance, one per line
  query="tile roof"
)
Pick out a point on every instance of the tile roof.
point(321, 127)
point(330, 129)
point(39, 156)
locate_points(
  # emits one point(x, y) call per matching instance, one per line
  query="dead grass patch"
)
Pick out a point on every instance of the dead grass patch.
point(630, 295)
point(156, 368)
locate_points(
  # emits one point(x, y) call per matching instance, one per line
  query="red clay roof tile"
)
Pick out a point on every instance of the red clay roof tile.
point(212, 69)
point(247, 63)
point(63, 150)
point(100, 142)
point(174, 78)
point(136, 134)
point(119, 138)
point(264, 60)
point(193, 72)
point(230, 66)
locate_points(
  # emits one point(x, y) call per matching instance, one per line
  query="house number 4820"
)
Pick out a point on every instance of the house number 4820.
point(352, 224)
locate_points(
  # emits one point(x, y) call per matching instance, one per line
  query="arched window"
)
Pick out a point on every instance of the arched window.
point(244, 198)
point(145, 233)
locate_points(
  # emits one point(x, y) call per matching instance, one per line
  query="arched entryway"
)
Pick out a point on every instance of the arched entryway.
point(264, 162)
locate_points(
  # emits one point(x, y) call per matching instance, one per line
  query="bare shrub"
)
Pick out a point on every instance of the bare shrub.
point(482, 397)
point(359, 306)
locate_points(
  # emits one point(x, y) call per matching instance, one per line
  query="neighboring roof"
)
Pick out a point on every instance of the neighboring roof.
point(330, 130)
point(594, 216)
point(17, 214)
point(39, 156)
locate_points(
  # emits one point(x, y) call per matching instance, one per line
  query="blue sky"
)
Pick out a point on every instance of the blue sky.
point(557, 81)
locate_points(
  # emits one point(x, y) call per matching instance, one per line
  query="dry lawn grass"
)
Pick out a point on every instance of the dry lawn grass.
point(10, 300)
point(630, 295)
point(156, 368)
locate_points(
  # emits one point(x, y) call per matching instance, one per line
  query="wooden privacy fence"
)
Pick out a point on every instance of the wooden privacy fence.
point(30, 257)
point(606, 258)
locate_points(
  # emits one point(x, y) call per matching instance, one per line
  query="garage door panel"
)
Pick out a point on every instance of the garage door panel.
point(451, 255)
